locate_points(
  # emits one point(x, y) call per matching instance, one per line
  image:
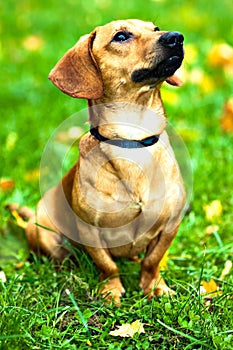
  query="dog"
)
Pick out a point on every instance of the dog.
point(125, 194)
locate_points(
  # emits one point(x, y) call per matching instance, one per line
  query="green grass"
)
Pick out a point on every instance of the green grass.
point(36, 313)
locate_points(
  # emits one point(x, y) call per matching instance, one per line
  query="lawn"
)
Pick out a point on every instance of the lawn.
point(35, 310)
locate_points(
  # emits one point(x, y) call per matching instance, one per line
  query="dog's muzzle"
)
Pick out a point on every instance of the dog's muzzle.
point(170, 45)
point(173, 44)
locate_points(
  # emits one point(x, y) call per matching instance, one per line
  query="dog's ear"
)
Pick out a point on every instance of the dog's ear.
point(174, 80)
point(77, 74)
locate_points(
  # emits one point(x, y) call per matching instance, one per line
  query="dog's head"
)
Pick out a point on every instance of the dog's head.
point(122, 54)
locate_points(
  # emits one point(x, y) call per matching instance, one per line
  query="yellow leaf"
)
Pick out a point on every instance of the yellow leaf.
point(20, 222)
point(128, 330)
point(210, 288)
point(226, 270)
point(213, 210)
point(163, 262)
point(19, 265)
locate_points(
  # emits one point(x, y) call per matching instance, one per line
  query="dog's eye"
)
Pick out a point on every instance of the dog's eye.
point(121, 36)
point(156, 29)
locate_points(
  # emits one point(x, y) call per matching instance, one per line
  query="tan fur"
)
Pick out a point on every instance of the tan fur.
point(138, 186)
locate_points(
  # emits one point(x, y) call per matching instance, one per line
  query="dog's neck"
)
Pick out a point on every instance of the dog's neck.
point(141, 118)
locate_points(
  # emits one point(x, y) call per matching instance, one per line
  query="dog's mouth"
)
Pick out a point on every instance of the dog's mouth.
point(168, 67)
point(160, 71)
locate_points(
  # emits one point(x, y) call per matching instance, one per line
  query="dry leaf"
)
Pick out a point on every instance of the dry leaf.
point(23, 212)
point(128, 330)
point(6, 185)
point(227, 116)
point(213, 210)
point(20, 222)
point(210, 289)
point(226, 270)
point(19, 265)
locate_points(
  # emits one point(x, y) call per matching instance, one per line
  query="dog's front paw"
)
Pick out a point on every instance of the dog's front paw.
point(155, 286)
point(112, 291)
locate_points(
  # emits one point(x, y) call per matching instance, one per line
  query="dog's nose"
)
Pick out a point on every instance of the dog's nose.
point(171, 39)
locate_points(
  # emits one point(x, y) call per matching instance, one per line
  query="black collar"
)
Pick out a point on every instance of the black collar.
point(148, 141)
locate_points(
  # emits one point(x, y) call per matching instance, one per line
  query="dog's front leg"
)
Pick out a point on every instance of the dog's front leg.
point(112, 288)
point(151, 280)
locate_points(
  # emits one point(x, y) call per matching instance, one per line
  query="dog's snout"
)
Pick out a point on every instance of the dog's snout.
point(171, 39)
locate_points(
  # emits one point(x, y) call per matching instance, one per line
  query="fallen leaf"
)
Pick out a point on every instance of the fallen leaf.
point(227, 116)
point(211, 229)
point(213, 210)
point(19, 265)
point(226, 270)
point(20, 222)
point(128, 330)
point(210, 289)
point(6, 185)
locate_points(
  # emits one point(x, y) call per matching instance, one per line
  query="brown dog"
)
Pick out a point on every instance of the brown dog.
point(125, 194)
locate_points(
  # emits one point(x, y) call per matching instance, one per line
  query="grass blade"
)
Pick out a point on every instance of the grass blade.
point(84, 322)
point(182, 334)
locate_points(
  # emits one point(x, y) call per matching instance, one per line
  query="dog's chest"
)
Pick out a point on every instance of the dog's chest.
point(129, 195)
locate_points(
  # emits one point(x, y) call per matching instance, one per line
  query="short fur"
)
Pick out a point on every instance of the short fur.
point(101, 69)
